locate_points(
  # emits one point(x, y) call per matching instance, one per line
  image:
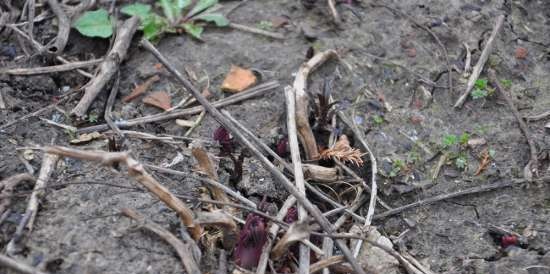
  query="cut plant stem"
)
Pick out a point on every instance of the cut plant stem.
point(279, 176)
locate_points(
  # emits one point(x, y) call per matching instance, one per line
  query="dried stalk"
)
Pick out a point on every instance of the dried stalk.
point(51, 69)
point(183, 249)
point(109, 66)
point(257, 31)
point(290, 96)
point(135, 170)
point(279, 176)
point(302, 102)
point(334, 11)
point(325, 263)
point(481, 62)
point(206, 166)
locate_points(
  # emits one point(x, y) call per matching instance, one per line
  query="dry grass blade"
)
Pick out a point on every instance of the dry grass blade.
point(342, 151)
point(296, 232)
point(135, 170)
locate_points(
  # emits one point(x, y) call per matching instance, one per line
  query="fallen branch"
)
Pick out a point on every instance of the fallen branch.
point(109, 66)
point(51, 69)
point(302, 102)
point(532, 166)
point(290, 96)
point(18, 266)
point(63, 28)
point(279, 176)
point(241, 96)
point(473, 190)
point(183, 249)
point(481, 62)
point(135, 170)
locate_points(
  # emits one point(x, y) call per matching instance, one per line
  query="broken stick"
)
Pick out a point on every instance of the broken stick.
point(481, 62)
point(109, 66)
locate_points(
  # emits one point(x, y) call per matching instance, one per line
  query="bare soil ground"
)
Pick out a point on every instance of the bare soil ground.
point(385, 60)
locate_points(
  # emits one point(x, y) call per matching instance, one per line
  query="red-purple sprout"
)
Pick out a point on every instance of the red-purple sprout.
point(282, 147)
point(291, 215)
point(224, 138)
point(252, 238)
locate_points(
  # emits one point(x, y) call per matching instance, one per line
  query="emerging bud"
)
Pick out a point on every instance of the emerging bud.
point(252, 238)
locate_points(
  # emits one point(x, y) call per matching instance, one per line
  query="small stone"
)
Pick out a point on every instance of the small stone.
point(521, 53)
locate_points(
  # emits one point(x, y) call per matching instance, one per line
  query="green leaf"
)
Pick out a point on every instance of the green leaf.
point(193, 30)
point(181, 4)
point(201, 6)
point(464, 138)
point(481, 83)
point(154, 26)
point(461, 162)
point(140, 10)
point(449, 140)
point(216, 18)
point(479, 93)
point(170, 9)
point(95, 24)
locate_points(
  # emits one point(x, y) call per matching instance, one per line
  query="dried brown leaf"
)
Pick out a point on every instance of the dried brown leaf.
point(160, 99)
point(342, 151)
point(238, 79)
point(140, 89)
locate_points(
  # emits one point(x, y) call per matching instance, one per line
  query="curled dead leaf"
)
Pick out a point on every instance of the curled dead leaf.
point(159, 99)
point(296, 232)
point(223, 221)
point(86, 137)
point(342, 151)
point(238, 79)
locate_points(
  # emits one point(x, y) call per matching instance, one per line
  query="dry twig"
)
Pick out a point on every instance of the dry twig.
point(481, 62)
point(51, 69)
point(63, 28)
point(183, 249)
point(532, 166)
point(473, 190)
point(49, 162)
point(109, 66)
point(135, 170)
point(257, 31)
